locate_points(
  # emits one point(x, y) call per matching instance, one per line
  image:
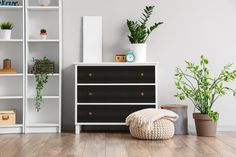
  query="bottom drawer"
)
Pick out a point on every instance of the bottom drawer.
point(107, 113)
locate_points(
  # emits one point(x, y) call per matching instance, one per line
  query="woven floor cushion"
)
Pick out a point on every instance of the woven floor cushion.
point(162, 129)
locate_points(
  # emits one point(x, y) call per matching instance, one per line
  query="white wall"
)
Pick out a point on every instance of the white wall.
point(191, 28)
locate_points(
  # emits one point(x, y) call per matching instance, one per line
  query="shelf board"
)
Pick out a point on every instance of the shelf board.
point(43, 125)
point(43, 41)
point(38, 8)
point(56, 74)
point(11, 97)
point(46, 97)
point(11, 126)
point(11, 40)
point(11, 75)
point(11, 7)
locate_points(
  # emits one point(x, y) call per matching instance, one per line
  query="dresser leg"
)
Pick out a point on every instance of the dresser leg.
point(77, 129)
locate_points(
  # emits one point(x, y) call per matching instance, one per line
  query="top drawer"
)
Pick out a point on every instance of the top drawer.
point(116, 74)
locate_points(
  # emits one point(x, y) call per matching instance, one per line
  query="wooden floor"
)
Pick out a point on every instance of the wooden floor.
point(114, 145)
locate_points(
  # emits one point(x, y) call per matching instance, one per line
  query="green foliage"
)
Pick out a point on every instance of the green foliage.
point(41, 76)
point(139, 32)
point(43, 31)
point(196, 84)
point(6, 25)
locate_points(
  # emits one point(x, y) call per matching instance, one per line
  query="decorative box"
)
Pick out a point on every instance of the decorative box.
point(8, 117)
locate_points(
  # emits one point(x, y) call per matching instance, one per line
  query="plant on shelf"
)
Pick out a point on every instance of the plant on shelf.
point(196, 84)
point(6, 28)
point(139, 33)
point(43, 34)
point(41, 69)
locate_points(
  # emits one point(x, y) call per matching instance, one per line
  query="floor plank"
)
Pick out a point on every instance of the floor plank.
point(115, 145)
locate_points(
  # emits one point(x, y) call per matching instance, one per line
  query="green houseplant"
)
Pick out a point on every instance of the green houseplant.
point(139, 33)
point(6, 28)
point(196, 84)
point(41, 69)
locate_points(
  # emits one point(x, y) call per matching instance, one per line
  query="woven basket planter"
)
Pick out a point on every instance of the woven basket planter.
point(162, 129)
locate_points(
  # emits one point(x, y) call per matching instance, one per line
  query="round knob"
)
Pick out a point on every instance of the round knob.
point(141, 74)
point(90, 74)
point(90, 113)
point(142, 94)
point(90, 93)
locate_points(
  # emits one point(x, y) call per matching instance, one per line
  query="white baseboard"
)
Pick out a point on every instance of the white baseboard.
point(219, 128)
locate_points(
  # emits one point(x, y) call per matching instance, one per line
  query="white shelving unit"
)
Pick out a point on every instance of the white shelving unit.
point(48, 119)
point(12, 91)
point(17, 91)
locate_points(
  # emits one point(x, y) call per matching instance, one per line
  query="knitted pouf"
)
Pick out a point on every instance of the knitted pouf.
point(162, 129)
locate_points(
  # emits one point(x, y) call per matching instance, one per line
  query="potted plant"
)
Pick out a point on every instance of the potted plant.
point(139, 33)
point(43, 34)
point(196, 84)
point(6, 28)
point(41, 69)
point(44, 3)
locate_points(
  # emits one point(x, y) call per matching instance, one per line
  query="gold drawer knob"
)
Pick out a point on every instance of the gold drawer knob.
point(5, 117)
point(90, 113)
point(142, 94)
point(141, 74)
point(90, 93)
point(90, 74)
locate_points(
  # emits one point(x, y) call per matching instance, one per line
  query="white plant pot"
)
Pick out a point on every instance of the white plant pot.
point(140, 52)
point(43, 37)
point(5, 34)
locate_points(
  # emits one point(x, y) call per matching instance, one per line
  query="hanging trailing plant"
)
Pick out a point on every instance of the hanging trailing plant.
point(41, 70)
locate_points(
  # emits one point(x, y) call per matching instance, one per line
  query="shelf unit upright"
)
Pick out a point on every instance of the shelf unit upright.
point(48, 119)
point(12, 91)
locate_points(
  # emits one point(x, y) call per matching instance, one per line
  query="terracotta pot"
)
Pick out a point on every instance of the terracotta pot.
point(205, 126)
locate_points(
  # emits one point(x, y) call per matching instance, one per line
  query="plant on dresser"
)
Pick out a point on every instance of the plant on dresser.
point(42, 68)
point(6, 28)
point(139, 33)
point(196, 84)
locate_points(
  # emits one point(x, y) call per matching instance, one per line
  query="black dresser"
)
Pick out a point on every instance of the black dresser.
point(106, 93)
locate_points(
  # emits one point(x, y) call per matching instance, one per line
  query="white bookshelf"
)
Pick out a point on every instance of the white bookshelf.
point(12, 91)
point(17, 91)
point(48, 119)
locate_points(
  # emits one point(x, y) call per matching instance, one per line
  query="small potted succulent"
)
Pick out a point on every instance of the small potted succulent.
point(6, 28)
point(43, 34)
point(139, 33)
point(203, 90)
point(44, 3)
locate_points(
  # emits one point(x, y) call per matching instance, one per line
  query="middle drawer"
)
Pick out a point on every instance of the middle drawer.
point(116, 94)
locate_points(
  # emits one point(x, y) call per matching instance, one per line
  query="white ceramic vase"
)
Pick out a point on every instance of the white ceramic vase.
point(140, 52)
point(44, 2)
point(5, 34)
point(43, 36)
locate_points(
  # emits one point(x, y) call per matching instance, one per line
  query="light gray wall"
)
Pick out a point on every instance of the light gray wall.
point(191, 28)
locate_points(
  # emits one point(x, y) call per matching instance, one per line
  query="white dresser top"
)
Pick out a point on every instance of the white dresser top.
point(116, 64)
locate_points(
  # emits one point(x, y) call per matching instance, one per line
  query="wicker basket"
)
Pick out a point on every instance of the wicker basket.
point(162, 129)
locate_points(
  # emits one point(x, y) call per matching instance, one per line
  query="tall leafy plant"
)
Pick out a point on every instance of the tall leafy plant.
point(41, 70)
point(196, 84)
point(139, 31)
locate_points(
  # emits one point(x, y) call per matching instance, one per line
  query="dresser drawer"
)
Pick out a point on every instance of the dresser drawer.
point(116, 74)
point(116, 94)
point(107, 113)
